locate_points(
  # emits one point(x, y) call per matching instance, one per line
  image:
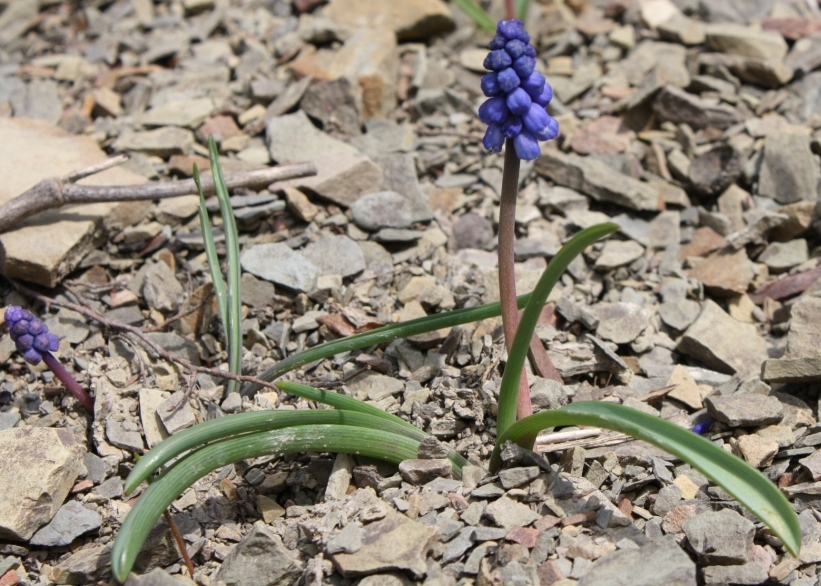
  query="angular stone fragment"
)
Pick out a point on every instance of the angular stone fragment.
point(85, 566)
point(507, 513)
point(657, 562)
point(383, 209)
point(679, 314)
point(782, 256)
point(342, 178)
point(598, 180)
point(423, 471)
point(801, 362)
point(278, 263)
point(757, 451)
point(746, 41)
point(162, 142)
point(185, 113)
point(620, 322)
point(722, 343)
point(49, 245)
point(409, 20)
point(678, 106)
point(335, 255)
point(722, 537)
point(617, 253)
point(749, 573)
point(789, 172)
point(686, 390)
point(38, 467)
point(71, 521)
point(292, 138)
point(745, 409)
point(260, 558)
point(724, 273)
point(392, 543)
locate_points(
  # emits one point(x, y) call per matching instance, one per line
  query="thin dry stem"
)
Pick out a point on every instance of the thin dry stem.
point(60, 191)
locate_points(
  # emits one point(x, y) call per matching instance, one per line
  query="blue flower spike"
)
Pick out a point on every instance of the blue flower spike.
point(517, 94)
point(36, 343)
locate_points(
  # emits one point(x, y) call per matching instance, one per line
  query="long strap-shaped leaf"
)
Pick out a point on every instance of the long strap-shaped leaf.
point(162, 492)
point(384, 335)
point(479, 16)
point(243, 424)
point(749, 487)
point(509, 390)
point(233, 325)
point(211, 254)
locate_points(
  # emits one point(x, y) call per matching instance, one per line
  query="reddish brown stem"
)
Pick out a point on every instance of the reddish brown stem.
point(180, 542)
point(507, 271)
point(510, 9)
point(69, 381)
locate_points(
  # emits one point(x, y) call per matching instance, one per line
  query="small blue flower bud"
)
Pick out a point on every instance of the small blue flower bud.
point(497, 60)
point(494, 139)
point(508, 80)
point(524, 66)
point(533, 84)
point(24, 342)
point(530, 51)
point(515, 48)
point(498, 42)
point(518, 102)
point(526, 145)
point(512, 126)
point(512, 29)
point(493, 111)
point(544, 98)
point(32, 356)
point(490, 85)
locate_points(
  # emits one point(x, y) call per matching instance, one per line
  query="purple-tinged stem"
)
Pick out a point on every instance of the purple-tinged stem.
point(69, 381)
point(511, 9)
point(507, 270)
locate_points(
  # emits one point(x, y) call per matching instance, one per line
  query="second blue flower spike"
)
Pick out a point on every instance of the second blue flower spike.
point(517, 94)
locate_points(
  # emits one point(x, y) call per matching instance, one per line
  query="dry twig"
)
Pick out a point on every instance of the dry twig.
point(60, 191)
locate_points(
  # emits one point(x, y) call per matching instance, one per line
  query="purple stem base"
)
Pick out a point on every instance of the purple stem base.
point(69, 381)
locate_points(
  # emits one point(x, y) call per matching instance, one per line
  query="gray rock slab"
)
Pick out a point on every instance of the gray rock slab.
point(507, 513)
point(71, 521)
point(383, 209)
point(161, 289)
point(722, 343)
point(620, 322)
point(658, 562)
point(175, 413)
point(292, 138)
point(745, 409)
point(260, 559)
point(161, 142)
point(70, 236)
point(342, 178)
point(185, 113)
point(598, 180)
point(782, 256)
point(392, 543)
point(789, 172)
point(335, 255)
point(418, 471)
point(723, 537)
point(278, 263)
point(750, 573)
point(38, 467)
point(678, 106)
point(679, 314)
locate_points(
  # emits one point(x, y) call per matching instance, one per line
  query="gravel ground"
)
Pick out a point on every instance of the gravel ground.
point(694, 124)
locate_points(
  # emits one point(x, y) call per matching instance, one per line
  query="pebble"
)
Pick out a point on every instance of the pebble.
point(384, 209)
point(71, 521)
point(745, 410)
point(723, 537)
point(260, 553)
point(335, 255)
point(278, 263)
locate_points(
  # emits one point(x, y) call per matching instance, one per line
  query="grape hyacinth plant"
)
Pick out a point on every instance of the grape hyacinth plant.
point(516, 117)
point(36, 343)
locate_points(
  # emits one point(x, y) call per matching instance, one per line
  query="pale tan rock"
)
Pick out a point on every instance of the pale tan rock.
point(757, 451)
point(687, 486)
point(300, 205)
point(38, 467)
point(655, 12)
point(747, 42)
point(741, 308)
point(269, 509)
point(49, 245)
point(408, 19)
point(153, 429)
point(686, 390)
point(724, 273)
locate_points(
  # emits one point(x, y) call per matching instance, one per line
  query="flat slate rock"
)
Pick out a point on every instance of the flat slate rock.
point(71, 521)
point(745, 409)
point(260, 559)
point(723, 343)
point(278, 263)
point(48, 246)
point(658, 562)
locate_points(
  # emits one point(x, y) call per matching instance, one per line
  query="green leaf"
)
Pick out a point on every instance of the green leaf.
point(522, 8)
point(340, 401)
point(509, 390)
point(383, 335)
point(479, 16)
point(242, 424)
point(233, 331)
point(747, 485)
point(306, 438)
point(211, 254)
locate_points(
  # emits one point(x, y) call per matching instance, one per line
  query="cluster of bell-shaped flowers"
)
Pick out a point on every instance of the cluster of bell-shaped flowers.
point(30, 334)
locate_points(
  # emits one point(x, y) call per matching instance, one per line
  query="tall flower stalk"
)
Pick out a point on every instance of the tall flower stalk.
point(516, 118)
